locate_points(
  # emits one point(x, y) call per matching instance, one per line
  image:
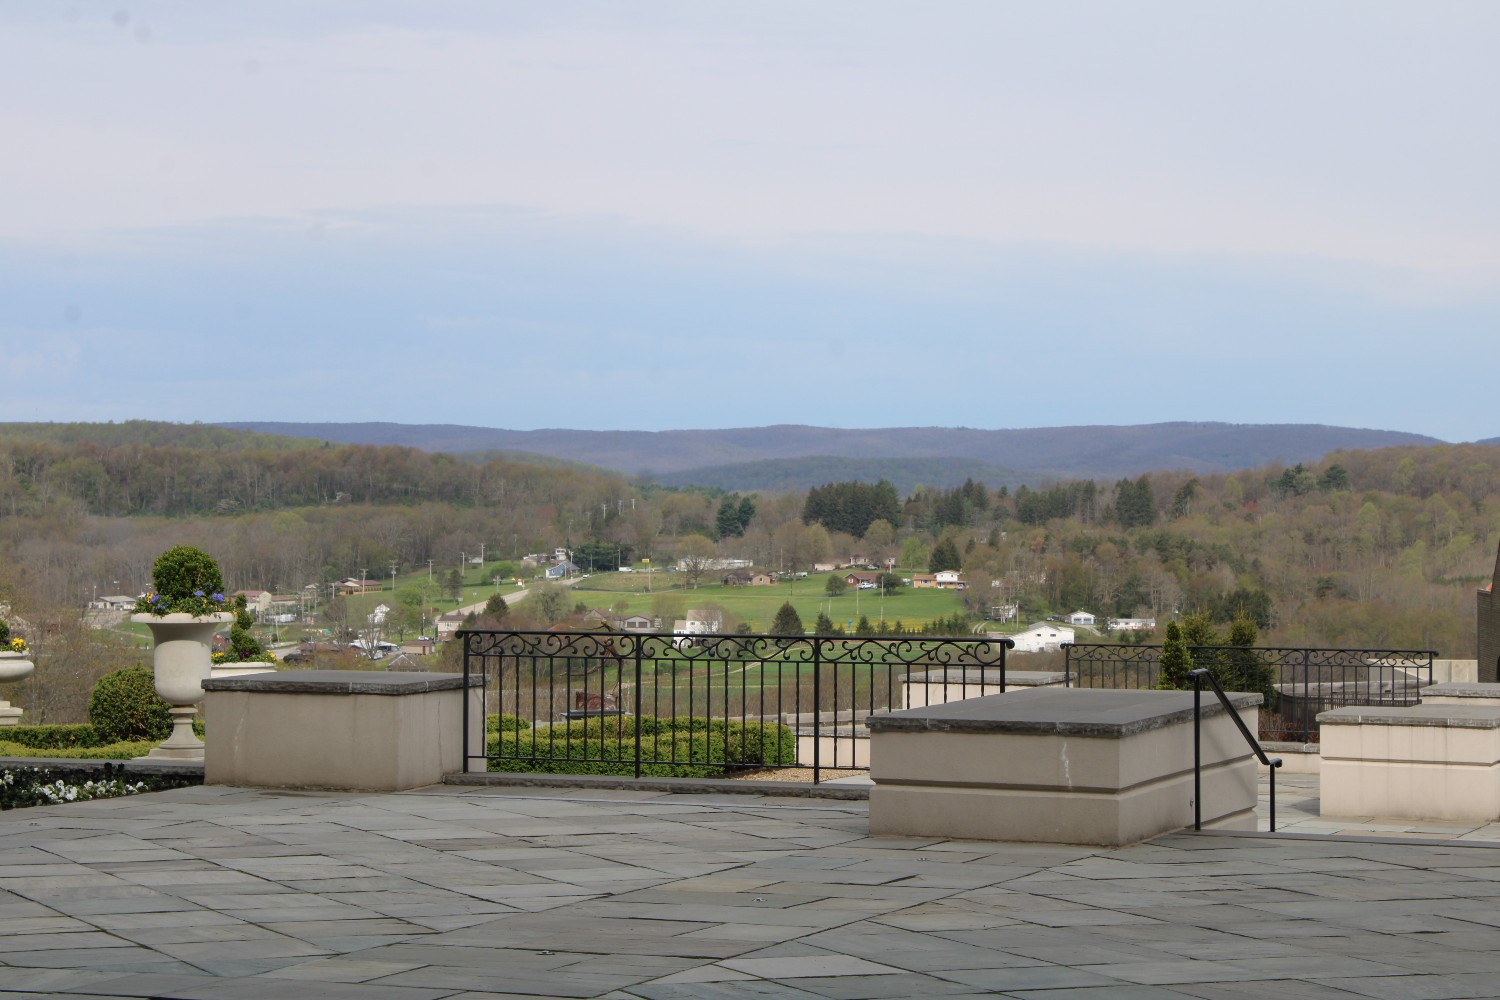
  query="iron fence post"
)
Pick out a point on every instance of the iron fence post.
point(817, 709)
point(638, 707)
point(1306, 696)
point(466, 744)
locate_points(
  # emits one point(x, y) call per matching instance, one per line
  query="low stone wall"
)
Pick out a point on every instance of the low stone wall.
point(939, 687)
point(1074, 766)
point(1432, 761)
point(1461, 694)
point(342, 729)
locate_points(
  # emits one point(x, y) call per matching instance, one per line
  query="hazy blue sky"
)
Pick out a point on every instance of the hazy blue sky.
point(651, 215)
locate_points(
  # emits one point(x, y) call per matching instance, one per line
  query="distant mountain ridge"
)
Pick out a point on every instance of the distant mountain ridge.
point(789, 456)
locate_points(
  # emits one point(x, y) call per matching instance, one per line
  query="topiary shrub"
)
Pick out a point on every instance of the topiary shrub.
point(125, 706)
point(186, 580)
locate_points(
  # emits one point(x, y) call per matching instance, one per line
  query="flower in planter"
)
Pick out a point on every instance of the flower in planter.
point(187, 582)
point(18, 645)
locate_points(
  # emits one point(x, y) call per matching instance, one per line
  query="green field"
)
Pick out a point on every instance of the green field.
point(757, 606)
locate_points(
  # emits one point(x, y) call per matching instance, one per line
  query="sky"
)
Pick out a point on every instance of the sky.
point(654, 215)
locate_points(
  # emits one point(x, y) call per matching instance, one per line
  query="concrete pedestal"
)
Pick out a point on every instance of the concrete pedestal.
point(1459, 693)
point(368, 731)
point(1427, 762)
point(1073, 766)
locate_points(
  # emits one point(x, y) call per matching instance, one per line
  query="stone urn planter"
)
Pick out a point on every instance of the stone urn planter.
point(182, 661)
point(13, 667)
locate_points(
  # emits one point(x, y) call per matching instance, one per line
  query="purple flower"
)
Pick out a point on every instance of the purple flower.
point(219, 598)
point(155, 598)
point(197, 593)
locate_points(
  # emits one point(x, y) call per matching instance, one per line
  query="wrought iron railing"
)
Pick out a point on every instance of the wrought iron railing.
point(649, 703)
point(1297, 682)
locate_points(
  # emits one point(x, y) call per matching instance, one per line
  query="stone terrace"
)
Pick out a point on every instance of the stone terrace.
point(488, 892)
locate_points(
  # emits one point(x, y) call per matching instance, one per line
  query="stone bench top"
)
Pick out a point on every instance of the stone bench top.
point(340, 682)
point(1087, 712)
point(1460, 689)
point(1448, 716)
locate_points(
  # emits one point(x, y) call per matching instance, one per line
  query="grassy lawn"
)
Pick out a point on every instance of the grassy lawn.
point(757, 606)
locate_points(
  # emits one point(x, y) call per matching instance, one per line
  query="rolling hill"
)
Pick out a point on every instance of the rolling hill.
point(794, 456)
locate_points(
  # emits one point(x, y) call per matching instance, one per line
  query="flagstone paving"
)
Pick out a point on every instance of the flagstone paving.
point(487, 893)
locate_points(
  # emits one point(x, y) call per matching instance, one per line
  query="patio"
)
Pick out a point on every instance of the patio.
point(455, 891)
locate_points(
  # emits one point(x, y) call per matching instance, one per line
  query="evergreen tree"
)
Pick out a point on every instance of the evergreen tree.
point(242, 642)
point(1135, 502)
point(863, 626)
point(824, 625)
point(1243, 669)
point(727, 521)
point(454, 584)
point(496, 607)
point(944, 556)
point(787, 621)
point(1175, 661)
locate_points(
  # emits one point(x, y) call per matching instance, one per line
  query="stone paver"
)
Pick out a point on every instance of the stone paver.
point(487, 893)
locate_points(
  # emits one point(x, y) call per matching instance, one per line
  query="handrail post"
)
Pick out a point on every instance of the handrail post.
point(1274, 765)
point(1197, 751)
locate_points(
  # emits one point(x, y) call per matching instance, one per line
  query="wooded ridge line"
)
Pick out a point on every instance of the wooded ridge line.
point(799, 457)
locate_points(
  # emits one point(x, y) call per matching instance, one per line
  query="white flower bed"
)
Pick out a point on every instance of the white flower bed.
point(34, 786)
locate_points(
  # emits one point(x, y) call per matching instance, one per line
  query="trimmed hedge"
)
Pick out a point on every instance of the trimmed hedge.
point(683, 747)
point(61, 737)
point(509, 723)
point(128, 750)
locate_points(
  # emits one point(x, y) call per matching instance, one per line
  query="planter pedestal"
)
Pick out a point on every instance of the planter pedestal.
point(13, 667)
point(181, 662)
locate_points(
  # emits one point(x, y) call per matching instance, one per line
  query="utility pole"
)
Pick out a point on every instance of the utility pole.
point(429, 571)
point(362, 571)
point(393, 577)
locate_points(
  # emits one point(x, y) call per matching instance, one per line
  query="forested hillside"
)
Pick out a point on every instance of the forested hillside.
point(1031, 454)
point(1365, 548)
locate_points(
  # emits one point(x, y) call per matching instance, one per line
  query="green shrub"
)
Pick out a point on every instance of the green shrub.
point(125, 706)
point(53, 737)
point(124, 750)
point(684, 747)
point(509, 723)
point(186, 580)
point(181, 570)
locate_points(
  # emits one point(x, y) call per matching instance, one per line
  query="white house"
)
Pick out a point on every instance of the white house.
point(1132, 624)
point(377, 617)
point(1042, 637)
point(1080, 618)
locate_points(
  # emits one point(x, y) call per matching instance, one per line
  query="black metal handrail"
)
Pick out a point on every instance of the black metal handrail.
point(636, 700)
point(1200, 675)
